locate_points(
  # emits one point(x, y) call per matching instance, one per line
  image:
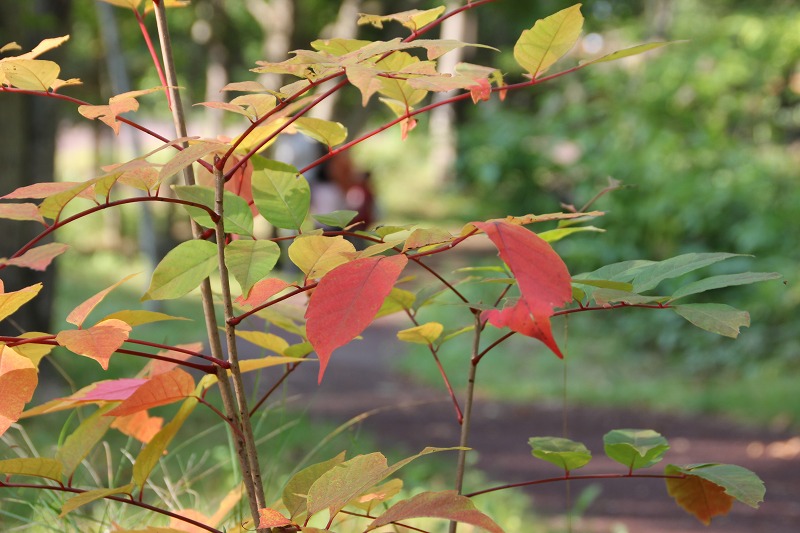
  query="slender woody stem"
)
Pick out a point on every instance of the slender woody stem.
point(205, 287)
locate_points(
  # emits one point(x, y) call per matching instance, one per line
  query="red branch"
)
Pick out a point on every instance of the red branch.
point(570, 478)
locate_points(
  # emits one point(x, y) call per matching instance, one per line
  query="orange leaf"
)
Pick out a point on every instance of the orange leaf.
point(140, 425)
point(346, 301)
point(272, 518)
point(162, 389)
point(18, 380)
point(79, 314)
point(99, 342)
point(542, 277)
point(700, 497)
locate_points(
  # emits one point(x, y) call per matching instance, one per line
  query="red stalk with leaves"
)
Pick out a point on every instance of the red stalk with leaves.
point(346, 289)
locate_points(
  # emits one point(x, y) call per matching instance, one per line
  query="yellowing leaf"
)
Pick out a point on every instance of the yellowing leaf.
point(79, 314)
point(249, 365)
point(99, 342)
point(92, 495)
point(33, 351)
point(29, 74)
point(117, 105)
point(32, 466)
point(268, 341)
point(317, 255)
point(158, 366)
point(78, 445)
point(142, 316)
point(325, 131)
point(38, 258)
point(11, 301)
point(18, 380)
point(423, 334)
point(161, 389)
point(422, 237)
point(129, 4)
point(549, 39)
point(698, 496)
point(413, 19)
point(448, 505)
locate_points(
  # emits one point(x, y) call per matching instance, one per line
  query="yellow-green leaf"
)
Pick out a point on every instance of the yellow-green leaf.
point(325, 131)
point(30, 74)
point(11, 301)
point(548, 40)
point(182, 270)
point(92, 495)
point(632, 51)
point(423, 334)
point(268, 341)
point(78, 445)
point(251, 261)
point(32, 466)
point(142, 316)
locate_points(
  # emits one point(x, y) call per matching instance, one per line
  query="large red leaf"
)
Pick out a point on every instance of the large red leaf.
point(99, 342)
point(18, 380)
point(346, 301)
point(542, 277)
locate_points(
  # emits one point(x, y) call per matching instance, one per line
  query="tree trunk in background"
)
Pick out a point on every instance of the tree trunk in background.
point(28, 140)
point(276, 18)
point(344, 27)
point(443, 141)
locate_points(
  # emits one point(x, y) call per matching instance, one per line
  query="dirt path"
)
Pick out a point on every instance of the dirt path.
point(360, 378)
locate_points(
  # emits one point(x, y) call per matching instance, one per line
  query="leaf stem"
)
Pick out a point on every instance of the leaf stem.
point(129, 501)
point(571, 478)
point(153, 54)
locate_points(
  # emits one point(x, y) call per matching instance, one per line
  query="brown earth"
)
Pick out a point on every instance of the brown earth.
point(360, 378)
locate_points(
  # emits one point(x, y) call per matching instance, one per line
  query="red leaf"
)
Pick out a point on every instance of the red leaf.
point(99, 342)
point(700, 497)
point(162, 389)
point(346, 301)
point(542, 277)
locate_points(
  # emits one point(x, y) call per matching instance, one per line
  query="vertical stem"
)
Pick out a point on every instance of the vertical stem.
point(209, 312)
point(465, 426)
point(233, 352)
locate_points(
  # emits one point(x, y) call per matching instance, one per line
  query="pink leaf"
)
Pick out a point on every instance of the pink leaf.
point(542, 277)
point(21, 212)
point(110, 391)
point(38, 258)
point(346, 301)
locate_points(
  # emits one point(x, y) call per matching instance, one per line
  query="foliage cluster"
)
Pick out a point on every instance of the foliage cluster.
point(343, 289)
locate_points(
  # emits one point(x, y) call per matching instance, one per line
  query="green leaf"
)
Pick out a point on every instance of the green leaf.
point(549, 39)
point(336, 219)
point(604, 284)
point(237, 217)
point(635, 448)
point(447, 504)
point(189, 155)
point(398, 300)
point(78, 445)
point(737, 481)
point(294, 494)
point(718, 282)
point(627, 52)
point(610, 296)
point(182, 270)
point(646, 277)
point(325, 131)
point(717, 318)
point(564, 453)
point(92, 495)
point(554, 235)
point(251, 261)
point(281, 195)
point(141, 316)
point(339, 485)
point(32, 466)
